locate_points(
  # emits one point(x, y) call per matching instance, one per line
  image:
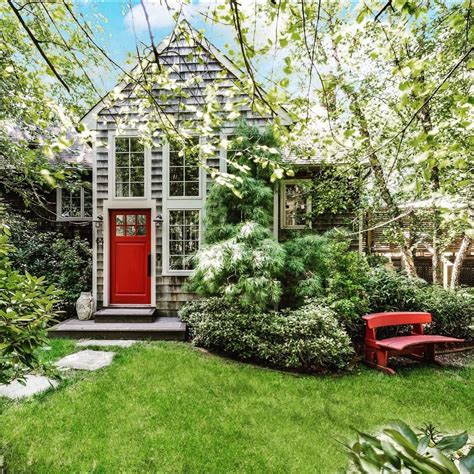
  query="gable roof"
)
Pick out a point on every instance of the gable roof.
point(182, 27)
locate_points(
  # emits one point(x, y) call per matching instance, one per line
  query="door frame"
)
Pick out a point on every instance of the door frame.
point(116, 272)
point(135, 204)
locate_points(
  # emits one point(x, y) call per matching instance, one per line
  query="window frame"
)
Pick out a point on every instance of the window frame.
point(167, 182)
point(112, 167)
point(59, 205)
point(166, 247)
point(283, 214)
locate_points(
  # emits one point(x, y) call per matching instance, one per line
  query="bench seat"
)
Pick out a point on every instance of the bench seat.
point(417, 345)
point(402, 342)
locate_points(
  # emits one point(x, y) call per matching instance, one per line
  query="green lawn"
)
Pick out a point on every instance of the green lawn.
point(167, 407)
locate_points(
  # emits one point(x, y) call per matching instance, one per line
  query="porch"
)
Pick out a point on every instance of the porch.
point(161, 328)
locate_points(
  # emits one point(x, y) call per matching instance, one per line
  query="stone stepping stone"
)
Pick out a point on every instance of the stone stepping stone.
point(106, 343)
point(33, 384)
point(86, 360)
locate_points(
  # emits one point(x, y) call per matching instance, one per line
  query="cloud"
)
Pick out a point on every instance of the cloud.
point(160, 13)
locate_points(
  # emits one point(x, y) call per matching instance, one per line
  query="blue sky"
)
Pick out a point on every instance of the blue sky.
point(124, 26)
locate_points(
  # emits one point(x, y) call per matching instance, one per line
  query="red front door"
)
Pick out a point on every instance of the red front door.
point(130, 259)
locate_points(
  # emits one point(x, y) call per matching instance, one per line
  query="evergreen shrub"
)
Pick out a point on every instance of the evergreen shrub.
point(307, 339)
point(66, 263)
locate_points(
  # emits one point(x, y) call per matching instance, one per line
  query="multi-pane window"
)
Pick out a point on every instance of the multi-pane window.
point(183, 238)
point(75, 203)
point(234, 153)
point(296, 205)
point(184, 171)
point(129, 167)
point(128, 225)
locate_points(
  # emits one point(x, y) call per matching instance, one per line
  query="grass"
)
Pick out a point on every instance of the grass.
point(167, 407)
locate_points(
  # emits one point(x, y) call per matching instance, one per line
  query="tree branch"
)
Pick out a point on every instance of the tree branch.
point(37, 45)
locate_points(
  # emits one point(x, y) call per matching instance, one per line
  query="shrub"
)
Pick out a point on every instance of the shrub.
point(452, 311)
point(65, 262)
point(26, 309)
point(400, 449)
point(225, 210)
point(244, 268)
point(307, 339)
point(324, 269)
point(318, 265)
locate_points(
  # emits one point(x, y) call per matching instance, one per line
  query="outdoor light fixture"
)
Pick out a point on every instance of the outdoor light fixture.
point(99, 221)
point(99, 241)
point(158, 219)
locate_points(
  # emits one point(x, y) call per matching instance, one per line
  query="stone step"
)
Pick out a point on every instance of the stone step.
point(162, 328)
point(124, 314)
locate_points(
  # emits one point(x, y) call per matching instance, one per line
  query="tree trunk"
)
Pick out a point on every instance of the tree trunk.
point(383, 188)
point(408, 261)
point(437, 264)
point(458, 262)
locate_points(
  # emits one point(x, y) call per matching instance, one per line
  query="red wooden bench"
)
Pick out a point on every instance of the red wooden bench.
point(416, 345)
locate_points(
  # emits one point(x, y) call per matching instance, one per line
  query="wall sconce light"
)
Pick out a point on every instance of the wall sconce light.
point(99, 241)
point(99, 221)
point(158, 219)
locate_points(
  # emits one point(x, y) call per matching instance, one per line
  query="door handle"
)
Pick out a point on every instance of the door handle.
point(149, 264)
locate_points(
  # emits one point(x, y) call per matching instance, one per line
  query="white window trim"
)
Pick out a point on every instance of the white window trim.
point(166, 241)
point(111, 166)
point(284, 183)
point(59, 205)
point(166, 178)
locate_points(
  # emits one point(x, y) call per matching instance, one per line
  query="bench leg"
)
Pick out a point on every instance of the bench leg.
point(429, 355)
point(429, 352)
point(378, 360)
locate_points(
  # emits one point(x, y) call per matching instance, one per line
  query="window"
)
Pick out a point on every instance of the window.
point(74, 203)
point(129, 167)
point(184, 171)
point(129, 225)
point(233, 153)
point(183, 238)
point(295, 205)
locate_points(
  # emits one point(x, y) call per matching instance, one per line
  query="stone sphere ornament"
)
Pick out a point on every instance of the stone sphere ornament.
point(85, 306)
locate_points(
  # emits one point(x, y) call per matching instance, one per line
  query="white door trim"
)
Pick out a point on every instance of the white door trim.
point(134, 204)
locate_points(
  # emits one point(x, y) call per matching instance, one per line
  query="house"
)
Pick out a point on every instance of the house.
point(66, 208)
point(148, 201)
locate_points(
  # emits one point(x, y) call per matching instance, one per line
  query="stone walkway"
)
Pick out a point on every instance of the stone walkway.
point(33, 384)
point(86, 360)
point(83, 360)
point(106, 343)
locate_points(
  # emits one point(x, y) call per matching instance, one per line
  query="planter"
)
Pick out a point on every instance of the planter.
point(85, 306)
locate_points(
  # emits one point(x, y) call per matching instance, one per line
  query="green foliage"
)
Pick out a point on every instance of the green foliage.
point(334, 190)
point(308, 339)
point(250, 198)
point(26, 309)
point(452, 311)
point(255, 152)
point(38, 114)
point(400, 449)
point(323, 267)
point(225, 209)
point(244, 268)
point(67, 263)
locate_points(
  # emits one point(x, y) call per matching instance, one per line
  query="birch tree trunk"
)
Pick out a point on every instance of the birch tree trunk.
point(383, 188)
point(458, 262)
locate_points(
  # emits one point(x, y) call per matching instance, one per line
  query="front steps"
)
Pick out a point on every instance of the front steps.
point(164, 328)
point(123, 314)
